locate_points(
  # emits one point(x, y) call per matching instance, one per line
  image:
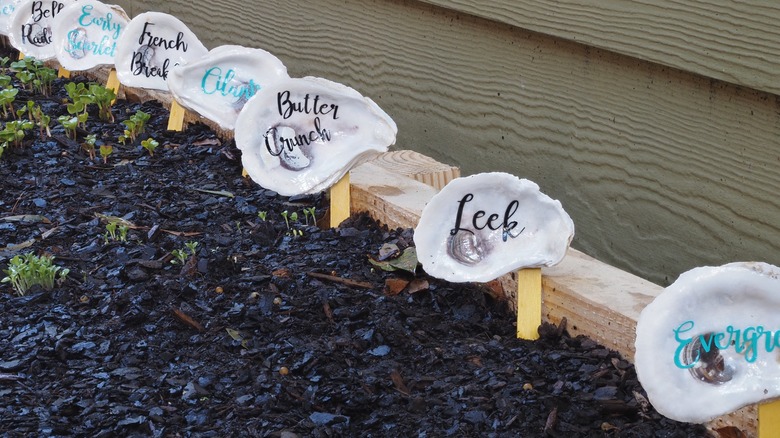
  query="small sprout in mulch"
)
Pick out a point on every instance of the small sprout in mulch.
point(105, 151)
point(262, 215)
point(29, 270)
point(71, 123)
point(104, 99)
point(115, 232)
point(15, 131)
point(309, 212)
point(89, 145)
point(181, 255)
point(7, 97)
point(150, 145)
point(134, 126)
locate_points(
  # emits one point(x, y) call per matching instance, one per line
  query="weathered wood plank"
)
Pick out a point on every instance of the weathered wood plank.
point(738, 42)
point(661, 170)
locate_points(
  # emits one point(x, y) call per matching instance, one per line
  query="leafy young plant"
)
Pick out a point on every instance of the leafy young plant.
point(310, 212)
point(15, 131)
point(29, 270)
point(135, 126)
point(104, 99)
point(150, 145)
point(183, 254)
point(105, 151)
point(262, 215)
point(114, 231)
point(71, 124)
point(89, 145)
point(80, 98)
point(7, 97)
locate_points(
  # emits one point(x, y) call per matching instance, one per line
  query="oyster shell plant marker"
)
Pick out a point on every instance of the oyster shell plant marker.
point(31, 27)
point(151, 45)
point(302, 135)
point(218, 85)
point(86, 33)
point(483, 226)
point(709, 344)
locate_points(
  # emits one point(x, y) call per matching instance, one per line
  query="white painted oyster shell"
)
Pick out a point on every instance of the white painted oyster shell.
point(218, 85)
point(7, 8)
point(31, 27)
point(86, 34)
point(519, 227)
point(336, 126)
point(704, 301)
point(151, 45)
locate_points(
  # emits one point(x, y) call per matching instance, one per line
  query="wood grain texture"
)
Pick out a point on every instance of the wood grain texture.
point(419, 167)
point(661, 170)
point(738, 42)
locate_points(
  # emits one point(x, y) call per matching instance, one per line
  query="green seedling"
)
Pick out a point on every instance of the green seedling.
point(44, 76)
point(310, 212)
point(80, 98)
point(4, 62)
point(262, 215)
point(5, 81)
point(286, 221)
point(41, 119)
point(29, 270)
point(7, 97)
point(70, 124)
point(105, 151)
point(114, 231)
point(2, 148)
point(181, 255)
point(150, 145)
point(104, 99)
point(15, 131)
point(135, 126)
point(89, 145)
point(294, 216)
point(26, 78)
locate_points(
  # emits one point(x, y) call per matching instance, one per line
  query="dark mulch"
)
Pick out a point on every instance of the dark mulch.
point(242, 340)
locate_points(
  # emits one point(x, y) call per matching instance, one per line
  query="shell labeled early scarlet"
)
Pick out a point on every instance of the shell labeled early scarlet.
point(483, 226)
point(86, 34)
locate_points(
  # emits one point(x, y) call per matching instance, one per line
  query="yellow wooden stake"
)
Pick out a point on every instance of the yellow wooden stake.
point(339, 201)
point(113, 83)
point(529, 303)
point(63, 73)
point(176, 117)
point(21, 56)
point(769, 419)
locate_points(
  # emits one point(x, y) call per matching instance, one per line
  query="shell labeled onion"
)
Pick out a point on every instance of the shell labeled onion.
point(151, 45)
point(218, 85)
point(480, 227)
point(709, 344)
point(300, 136)
point(7, 8)
point(31, 27)
point(86, 34)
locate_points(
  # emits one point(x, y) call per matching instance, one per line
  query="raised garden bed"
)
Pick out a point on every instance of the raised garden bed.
point(272, 327)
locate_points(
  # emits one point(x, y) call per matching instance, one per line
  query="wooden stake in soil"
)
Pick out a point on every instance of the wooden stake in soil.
point(339, 201)
point(769, 419)
point(529, 303)
point(176, 118)
point(63, 73)
point(112, 83)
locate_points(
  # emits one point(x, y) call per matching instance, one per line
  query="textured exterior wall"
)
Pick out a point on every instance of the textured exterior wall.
point(661, 169)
